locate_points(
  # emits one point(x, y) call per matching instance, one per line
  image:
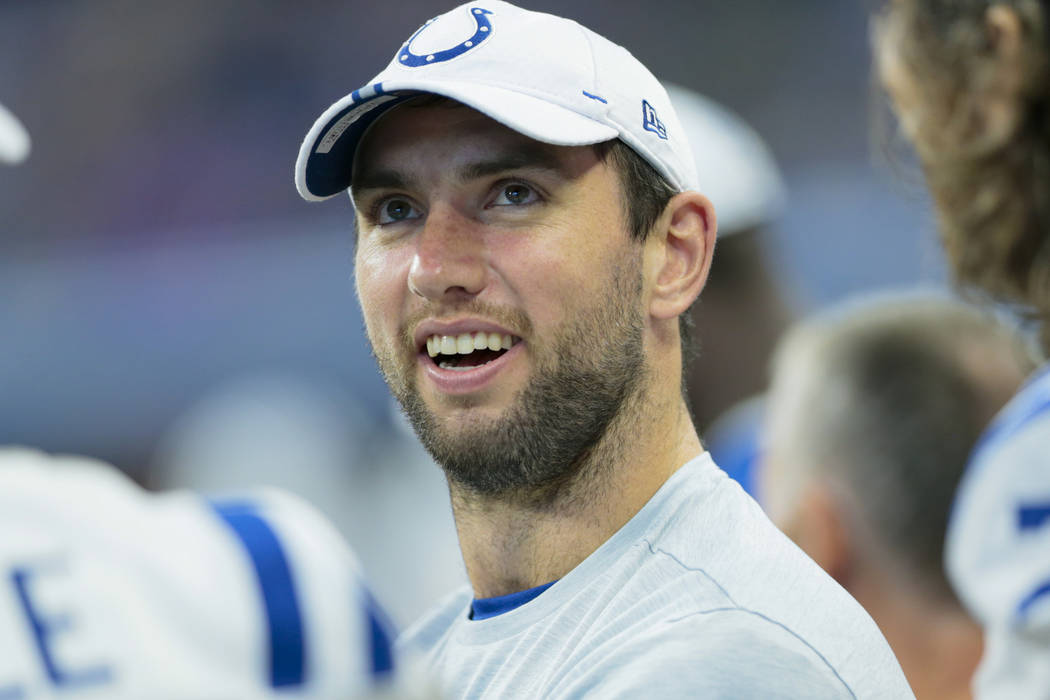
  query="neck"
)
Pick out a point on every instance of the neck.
point(937, 643)
point(511, 543)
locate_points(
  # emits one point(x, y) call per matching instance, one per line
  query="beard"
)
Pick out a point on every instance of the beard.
point(593, 366)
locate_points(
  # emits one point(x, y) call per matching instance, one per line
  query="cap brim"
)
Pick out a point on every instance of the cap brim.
point(326, 156)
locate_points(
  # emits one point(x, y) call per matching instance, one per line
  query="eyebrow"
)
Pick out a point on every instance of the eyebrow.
point(532, 156)
point(535, 156)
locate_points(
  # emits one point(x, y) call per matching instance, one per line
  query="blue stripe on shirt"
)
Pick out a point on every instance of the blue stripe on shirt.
point(379, 634)
point(287, 654)
point(484, 608)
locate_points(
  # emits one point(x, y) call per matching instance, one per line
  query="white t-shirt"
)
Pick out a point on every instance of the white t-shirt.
point(107, 591)
point(698, 595)
point(998, 545)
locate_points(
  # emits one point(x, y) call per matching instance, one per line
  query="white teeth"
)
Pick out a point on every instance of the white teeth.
point(465, 343)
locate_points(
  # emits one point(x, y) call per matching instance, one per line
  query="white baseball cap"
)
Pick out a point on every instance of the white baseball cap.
point(546, 77)
point(734, 167)
point(14, 139)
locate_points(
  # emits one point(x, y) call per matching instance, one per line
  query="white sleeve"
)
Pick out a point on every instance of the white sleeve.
point(107, 591)
point(732, 654)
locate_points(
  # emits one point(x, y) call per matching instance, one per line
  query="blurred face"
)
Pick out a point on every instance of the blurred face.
point(500, 290)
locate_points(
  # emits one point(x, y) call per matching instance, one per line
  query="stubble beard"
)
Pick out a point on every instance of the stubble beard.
point(548, 435)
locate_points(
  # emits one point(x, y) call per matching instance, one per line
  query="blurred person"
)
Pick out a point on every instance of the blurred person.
point(874, 408)
point(365, 477)
point(14, 139)
point(744, 308)
point(528, 236)
point(107, 591)
point(970, 82)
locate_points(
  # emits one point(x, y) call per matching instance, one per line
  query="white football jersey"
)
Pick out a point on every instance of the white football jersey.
point(998, 545)
point(108, 591)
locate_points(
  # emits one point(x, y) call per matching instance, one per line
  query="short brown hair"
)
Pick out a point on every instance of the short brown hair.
point(645, 196)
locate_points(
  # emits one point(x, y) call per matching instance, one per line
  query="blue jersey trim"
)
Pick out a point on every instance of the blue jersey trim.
point(287, 652)
point(1029, 600)
point(1003, 429)
point(1030, 403)
point(484, 608)
point(1013, 417)
point(1033, 516)
point(381, 639)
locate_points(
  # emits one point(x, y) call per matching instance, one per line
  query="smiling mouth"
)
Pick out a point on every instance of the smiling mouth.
point(468, 350)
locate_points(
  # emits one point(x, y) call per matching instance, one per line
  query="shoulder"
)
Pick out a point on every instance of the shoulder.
point(426, 633)
point(1021, 425)
point(85, 504)
point(307, 579)
point(254, 592)
point(29, 476)
point(716, 653)
point(729, 557)
point(999, 529)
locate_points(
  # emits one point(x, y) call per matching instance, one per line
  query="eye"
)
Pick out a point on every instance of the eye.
point(395, 209)
point(515, 194)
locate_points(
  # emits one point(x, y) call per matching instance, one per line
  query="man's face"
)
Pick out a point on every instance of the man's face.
point(509, 259)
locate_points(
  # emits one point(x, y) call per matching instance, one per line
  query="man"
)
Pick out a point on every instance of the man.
point(872, 413)
point(969, 83)
point(528, 237)
point(107, 591)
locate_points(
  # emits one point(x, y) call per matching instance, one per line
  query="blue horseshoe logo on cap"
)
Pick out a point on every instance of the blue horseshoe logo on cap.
point(414, 60)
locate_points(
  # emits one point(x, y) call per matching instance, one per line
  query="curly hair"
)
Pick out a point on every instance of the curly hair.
point(990, 181)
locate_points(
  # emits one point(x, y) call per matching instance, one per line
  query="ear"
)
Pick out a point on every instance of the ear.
point(678, 254)
point(819, 529)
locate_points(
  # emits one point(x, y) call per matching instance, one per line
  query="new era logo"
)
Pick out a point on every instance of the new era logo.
point(651, 122)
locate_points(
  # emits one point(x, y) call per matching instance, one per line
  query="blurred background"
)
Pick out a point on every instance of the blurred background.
point(169, 304)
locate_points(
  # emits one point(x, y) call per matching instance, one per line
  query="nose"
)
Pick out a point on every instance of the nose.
point(449, 257)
